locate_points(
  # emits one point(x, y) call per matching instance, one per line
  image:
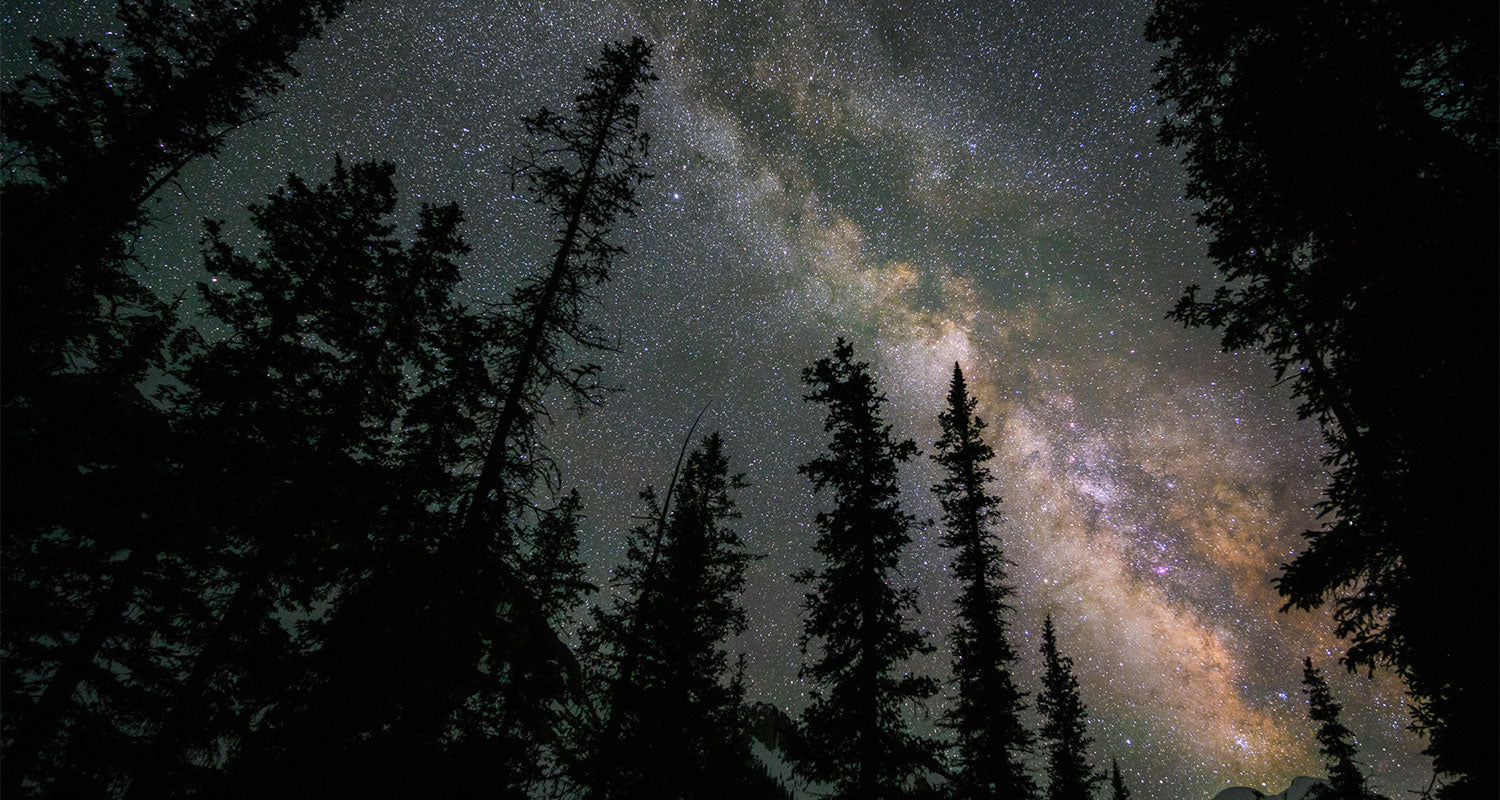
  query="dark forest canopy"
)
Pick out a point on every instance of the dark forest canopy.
point(1346, 157)
point(325, 550)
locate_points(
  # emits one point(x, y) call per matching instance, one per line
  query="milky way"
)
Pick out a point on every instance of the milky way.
point(938, 182)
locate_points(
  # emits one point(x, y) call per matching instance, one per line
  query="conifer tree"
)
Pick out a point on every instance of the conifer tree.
point(1064, 725)
point(1335, 741)
point(89, 138)
point(441, 671)
point(1117, 788)
point(292, 425)
point(675, 722)
point(1346, 158)
point(858, 634)
point(93, 134)
point(991, 739)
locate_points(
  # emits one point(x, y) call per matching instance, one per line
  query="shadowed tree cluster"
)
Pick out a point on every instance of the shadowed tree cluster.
point(1346, 157)
point(302, 554)
point(671, 694)
point(302, 537)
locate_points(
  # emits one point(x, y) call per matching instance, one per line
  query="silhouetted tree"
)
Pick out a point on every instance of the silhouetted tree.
point(1335, 741)
point(441, 672)
point(986, 716)
point(88, 139)
point(1346, 156)
point(292, 428)
point(549, 560)
point(857, 635)
point(1117, 788)
point(1064, 725)
point(92, 136)
point(675, 721)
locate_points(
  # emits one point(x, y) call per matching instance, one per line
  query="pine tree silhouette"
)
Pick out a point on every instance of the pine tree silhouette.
point(290, 429)
point(1064, 725)
point(857, 634)
point(440, 671)
point(1117, 788)
point(676, 723)
point(1335, 741)
point(89, 138)
point(991, 739)
point(1346, 159)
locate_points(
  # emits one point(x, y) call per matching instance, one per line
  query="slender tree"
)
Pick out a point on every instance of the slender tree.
point(1117, 788)
point(1346, 157)
point(986, 716)
point(1335, 741)
point(858, 635)
point(676, 722)
point(1064, 725)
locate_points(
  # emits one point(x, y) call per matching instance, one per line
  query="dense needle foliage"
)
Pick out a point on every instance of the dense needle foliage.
point(858, 634)
point(986, 714)
point(1065, 734)
point(673, 695)
point(1346, 157)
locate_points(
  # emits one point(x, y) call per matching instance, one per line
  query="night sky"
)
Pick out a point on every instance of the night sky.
point(939, 182)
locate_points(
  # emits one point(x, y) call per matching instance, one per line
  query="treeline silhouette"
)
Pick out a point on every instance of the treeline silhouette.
point(306, 540)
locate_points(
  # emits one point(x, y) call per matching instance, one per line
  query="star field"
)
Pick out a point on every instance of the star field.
point(938, 182)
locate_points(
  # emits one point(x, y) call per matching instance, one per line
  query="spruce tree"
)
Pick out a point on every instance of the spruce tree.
point(985, 718)
point(441, 670)
point(1117, 788)
point(88, 476)
point(1335, 741)
point(290, 427)
point(674, 711)
point(1065, 734)
point(858, 634)
point(1345, 155)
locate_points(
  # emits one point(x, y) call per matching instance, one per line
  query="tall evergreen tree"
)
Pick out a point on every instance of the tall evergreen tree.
point(986, 717)
point(858, 635)
point(675, 723)
point(1346, 157)
point(1117, 788)
point(88, 139)
point(293, 426)
point(1064, 725)
point(1335, 741)
point(443, 647)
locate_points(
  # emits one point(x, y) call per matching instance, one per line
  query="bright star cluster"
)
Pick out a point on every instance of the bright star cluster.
point(939, 182)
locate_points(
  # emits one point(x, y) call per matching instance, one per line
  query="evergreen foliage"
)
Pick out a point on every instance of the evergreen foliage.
point(104, 574)
point(459, 675)
point(676, 721)
point(857, 633)
point(352, 327)
point(1117, 788)
point(986, 715)
point(1335, 742)
point(1346, 156)
point(92, 135)
point(1064, 732)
